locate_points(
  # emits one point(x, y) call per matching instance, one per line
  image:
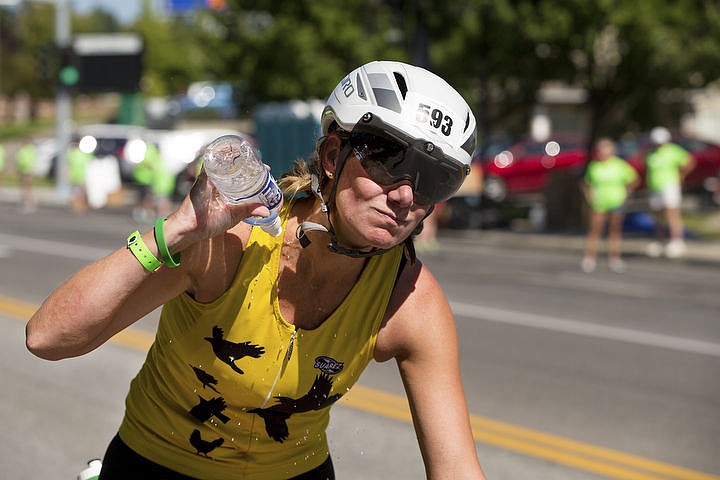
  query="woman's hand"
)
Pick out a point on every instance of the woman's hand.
point(204, 214)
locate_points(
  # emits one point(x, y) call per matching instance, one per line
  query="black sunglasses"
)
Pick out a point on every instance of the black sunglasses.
point(389, 159)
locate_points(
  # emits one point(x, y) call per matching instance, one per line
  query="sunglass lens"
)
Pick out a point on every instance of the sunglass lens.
point(388, 162)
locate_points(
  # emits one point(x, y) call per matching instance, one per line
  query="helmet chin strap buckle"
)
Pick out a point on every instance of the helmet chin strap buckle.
point(304, 227)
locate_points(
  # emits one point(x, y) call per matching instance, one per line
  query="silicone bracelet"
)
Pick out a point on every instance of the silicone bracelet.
point(171, 261)
point(138, 248)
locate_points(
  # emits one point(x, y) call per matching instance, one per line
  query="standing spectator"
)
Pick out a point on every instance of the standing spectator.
point(78, 162)
point(607, 183)
point(426, 240)
point(143, 175)
point(2, 163)
point(162, 187)
point(667, 165)
point(25, 163)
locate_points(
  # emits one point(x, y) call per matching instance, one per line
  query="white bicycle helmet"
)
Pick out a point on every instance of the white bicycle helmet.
point(411, 100)
point(427, 121)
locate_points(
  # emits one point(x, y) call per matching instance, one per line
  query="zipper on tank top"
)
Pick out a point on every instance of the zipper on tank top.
point(286, 359)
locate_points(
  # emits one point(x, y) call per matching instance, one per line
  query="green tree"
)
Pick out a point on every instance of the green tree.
point(28, 58)
point(174, 56)
point(294, 48)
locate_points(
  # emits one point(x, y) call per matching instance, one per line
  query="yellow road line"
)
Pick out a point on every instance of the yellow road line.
point(17, 308)
point(583, 456)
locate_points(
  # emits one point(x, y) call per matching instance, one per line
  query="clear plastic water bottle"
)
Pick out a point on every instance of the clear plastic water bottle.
point(232, 164)
point(92, 471)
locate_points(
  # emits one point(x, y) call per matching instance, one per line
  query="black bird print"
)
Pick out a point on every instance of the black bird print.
point(205, 378)
point(207, 408)
point(316, 399)
point(203, 447)
point(230, 352)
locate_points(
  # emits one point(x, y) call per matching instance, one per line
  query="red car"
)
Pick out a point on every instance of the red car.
point(524, 168)
point(707, 162)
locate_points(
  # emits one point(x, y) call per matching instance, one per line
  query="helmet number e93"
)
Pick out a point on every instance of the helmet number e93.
point(435, 117)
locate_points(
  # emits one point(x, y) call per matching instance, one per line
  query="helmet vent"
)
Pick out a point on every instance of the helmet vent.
point(402, 85)
point(360, 87)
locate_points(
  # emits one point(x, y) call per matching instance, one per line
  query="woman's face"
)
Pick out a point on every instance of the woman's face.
point(368, 214)
point(605, 149)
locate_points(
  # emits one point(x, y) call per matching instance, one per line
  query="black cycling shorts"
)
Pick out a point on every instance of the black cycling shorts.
point(122, 463)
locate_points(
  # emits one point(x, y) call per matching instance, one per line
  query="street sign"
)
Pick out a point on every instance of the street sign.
point(109, 62)
point(183, 6)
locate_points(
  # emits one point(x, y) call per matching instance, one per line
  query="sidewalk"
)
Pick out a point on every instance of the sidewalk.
point(698, 250)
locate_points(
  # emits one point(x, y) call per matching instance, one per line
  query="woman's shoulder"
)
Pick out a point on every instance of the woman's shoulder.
point(417, 299)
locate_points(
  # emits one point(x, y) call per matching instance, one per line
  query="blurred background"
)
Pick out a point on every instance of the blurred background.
point(545, 78)
point(569, 376)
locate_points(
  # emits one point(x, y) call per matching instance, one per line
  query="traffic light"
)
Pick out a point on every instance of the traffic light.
point(68, 74)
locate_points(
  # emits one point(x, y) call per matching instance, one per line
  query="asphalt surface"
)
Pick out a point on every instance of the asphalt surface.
point(56, 415)
point(698, 250)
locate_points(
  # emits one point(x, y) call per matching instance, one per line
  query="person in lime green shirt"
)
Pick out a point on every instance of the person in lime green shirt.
point(2, 162)
point(78, 162)
point(25, 164)
point(667, 164)
point(607, 183)
point(162, 188)
point(144, 175)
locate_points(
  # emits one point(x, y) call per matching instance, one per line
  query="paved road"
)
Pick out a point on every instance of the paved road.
point(569, 376)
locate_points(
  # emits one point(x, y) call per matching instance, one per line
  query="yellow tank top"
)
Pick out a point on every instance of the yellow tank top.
point(230, 390)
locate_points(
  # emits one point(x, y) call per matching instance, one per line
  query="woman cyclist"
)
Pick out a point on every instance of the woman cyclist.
point(260, 335)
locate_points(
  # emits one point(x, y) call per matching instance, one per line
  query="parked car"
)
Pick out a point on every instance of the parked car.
point(706, 154)
point(524, 168)
point(122, 142)
point(206, 100)
point(126, 143)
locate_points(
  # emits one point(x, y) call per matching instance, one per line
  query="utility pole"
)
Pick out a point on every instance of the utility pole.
point(63, 114)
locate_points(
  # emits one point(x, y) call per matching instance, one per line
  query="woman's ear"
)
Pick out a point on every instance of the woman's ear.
point(330, 154)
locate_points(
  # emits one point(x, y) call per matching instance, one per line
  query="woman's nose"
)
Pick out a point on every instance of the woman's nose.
point(402, 194)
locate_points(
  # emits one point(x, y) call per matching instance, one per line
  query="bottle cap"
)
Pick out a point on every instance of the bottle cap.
point(273, 227)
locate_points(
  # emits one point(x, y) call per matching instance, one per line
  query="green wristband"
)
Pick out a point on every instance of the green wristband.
point(138, 248)
point(171, 261)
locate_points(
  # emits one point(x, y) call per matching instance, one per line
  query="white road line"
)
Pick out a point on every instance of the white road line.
point(49, 247)
point(586, 329)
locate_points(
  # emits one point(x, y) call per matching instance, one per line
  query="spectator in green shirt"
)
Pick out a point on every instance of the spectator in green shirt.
point(607, 183)
point(144, 176)
point(2, 162)
point(78, 162)
point(25, 164)
point(667, 164)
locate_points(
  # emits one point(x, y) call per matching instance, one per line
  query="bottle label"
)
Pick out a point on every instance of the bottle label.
point(270, 194)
